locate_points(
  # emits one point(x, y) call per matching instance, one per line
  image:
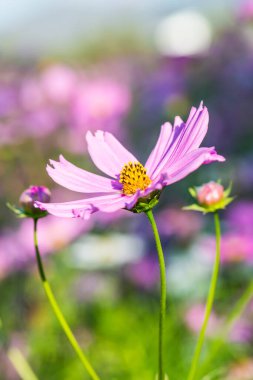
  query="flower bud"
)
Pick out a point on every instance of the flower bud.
point(32, 194)
point(210, 197)
point(210, 193)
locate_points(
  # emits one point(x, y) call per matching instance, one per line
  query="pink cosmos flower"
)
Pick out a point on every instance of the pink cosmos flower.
point(175, 155)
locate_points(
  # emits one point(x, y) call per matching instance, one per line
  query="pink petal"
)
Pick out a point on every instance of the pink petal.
point(185, 138)
point(70, 176)
point(107, 153)
point(85, 207)
point(189, 163)
point(160, 148)
point(195, 129)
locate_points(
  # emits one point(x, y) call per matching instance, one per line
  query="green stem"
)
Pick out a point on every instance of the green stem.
point(209, 303)
point(231, 320)
point(57, 310)
point(20, 364)
point(161, 373)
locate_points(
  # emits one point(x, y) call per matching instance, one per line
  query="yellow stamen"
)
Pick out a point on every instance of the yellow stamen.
point(134, 177)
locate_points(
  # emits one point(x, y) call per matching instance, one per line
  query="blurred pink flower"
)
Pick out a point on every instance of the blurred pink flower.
point(194, 317)
point(175, 155)
point(98, 102)
point(245, 11)
point(59, 83)
point(31, 96)
point(40, 122)
point(236, 247)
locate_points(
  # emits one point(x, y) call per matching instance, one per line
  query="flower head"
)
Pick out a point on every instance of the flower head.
point(210, 197)
point(27, 199)
point(132, 185)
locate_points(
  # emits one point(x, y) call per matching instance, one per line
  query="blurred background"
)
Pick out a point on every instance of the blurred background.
point(125, 67)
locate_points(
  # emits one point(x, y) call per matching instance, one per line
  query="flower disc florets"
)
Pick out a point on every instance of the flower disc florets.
point(133, 177)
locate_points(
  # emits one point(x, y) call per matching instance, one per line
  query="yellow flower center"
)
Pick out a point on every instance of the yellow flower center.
point(134, 177)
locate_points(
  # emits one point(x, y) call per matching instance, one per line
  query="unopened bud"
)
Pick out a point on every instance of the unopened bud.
point(210, 194)
point(32, 194)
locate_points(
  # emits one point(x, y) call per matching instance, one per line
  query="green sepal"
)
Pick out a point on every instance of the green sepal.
point(227, 192)
point(20, 213)
point(193, 192)
point(194, 207)
point(147, 203)
point(17, 211)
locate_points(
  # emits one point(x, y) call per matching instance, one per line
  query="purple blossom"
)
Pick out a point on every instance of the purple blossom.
point(242, 331)
point(175, 155)
point(240, 217)
point(144, 273)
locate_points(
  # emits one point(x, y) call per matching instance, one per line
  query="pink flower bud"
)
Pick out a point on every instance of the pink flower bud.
point(210, 193)
point(32, 194)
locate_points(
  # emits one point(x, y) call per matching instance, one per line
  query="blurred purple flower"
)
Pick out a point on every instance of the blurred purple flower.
point(240, 217)
point(242, 331)
point(173, 221)
point(236, 247)
point(59, 83)
point(144, 273)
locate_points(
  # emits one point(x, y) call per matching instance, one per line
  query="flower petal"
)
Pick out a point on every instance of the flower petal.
point(185, 138)
point(160, 148)
point(70, 176)
point(85, 207)
point(107, 153)
point(189, 163)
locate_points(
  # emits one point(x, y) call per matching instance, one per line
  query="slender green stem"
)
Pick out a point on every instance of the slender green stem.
point(209, 304)
point(232, 318)
point(58, 313)
point(161, 373)
point(20, 364)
